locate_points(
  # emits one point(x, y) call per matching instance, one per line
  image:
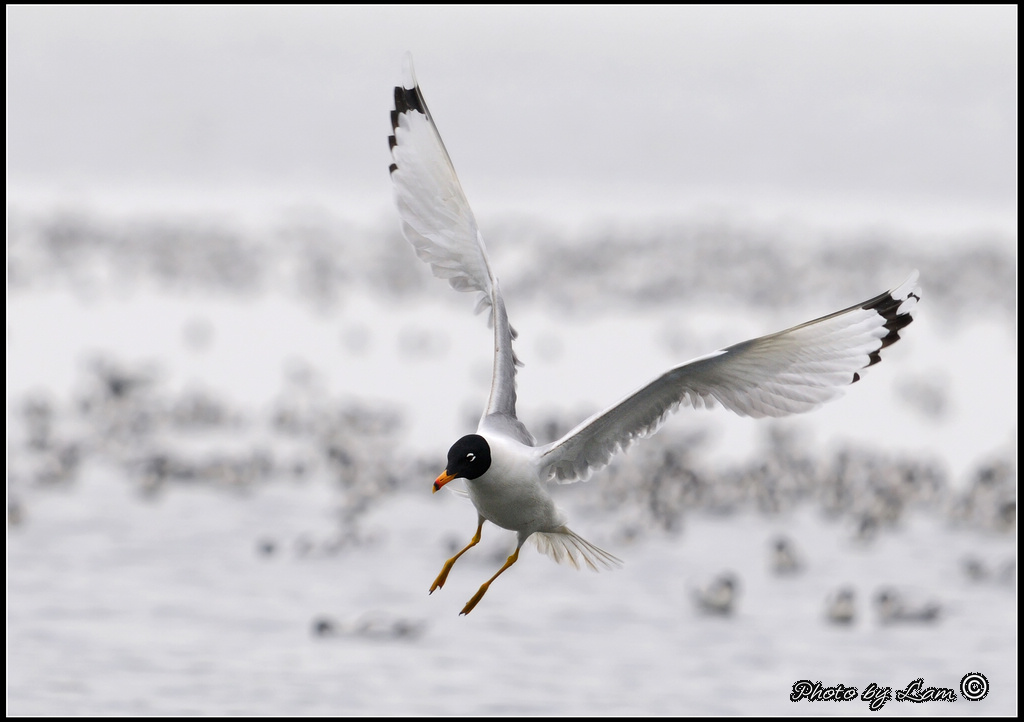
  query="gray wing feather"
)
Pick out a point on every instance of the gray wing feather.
point(784, 373)
point(439, 223)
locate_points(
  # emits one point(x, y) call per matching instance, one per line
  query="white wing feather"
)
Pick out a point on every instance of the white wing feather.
point(436, 217)
point(789, 372)
point(438, 222)
point(784, 373)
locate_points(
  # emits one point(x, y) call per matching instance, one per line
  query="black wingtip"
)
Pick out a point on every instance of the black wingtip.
point(887, 305)
point(407, 100)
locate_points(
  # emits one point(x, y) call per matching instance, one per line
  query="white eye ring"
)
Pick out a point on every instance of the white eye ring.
point(471, 457)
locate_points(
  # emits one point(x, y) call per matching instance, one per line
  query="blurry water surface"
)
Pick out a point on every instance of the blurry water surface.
point(204, 470)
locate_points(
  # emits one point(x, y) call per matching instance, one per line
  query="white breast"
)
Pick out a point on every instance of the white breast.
point(511, 494)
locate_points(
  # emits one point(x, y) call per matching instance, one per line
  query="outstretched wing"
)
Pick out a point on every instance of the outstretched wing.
point(789, 372)
point(438, 222)
point(436, 217)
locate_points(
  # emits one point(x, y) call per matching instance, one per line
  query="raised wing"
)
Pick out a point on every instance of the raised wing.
point(789, 372)
point(436, 217)
point(438, 222)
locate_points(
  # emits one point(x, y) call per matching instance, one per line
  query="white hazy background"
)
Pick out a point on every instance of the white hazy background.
point(198, 199)
point(859, 108)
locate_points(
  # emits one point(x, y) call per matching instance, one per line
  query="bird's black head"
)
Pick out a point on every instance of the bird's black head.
point(469, 458)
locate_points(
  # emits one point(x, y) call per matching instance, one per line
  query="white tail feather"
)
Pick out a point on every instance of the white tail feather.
point(564, 546)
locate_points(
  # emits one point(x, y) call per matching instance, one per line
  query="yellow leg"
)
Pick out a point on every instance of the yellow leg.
point(483, 589)
point(439, 582)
